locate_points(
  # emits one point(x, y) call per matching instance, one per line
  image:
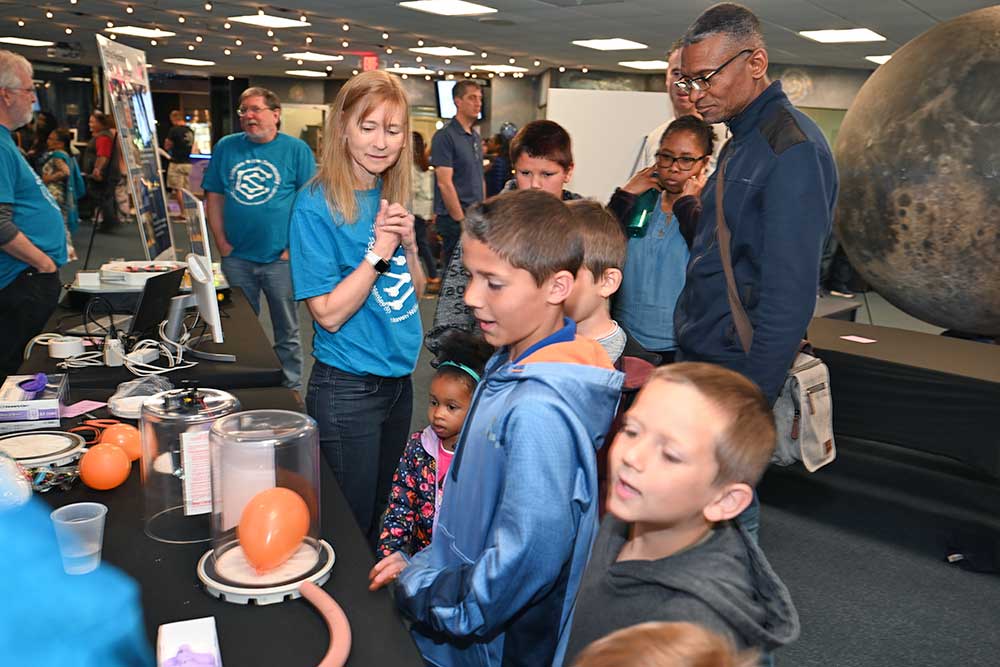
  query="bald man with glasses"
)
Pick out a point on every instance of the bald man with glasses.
point(779, 191)
point(32, 235)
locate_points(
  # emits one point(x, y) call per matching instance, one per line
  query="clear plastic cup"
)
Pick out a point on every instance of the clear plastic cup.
point(80, 533)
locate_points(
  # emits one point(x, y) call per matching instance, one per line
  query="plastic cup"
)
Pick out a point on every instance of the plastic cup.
point(80, 533)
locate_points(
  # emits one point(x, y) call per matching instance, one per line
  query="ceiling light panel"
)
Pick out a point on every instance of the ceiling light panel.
point(443, 51)
point(409, 70)
point(613, 44)
point(193, 62)
point(842, 36)
point(314, 57)
point(138, 31)
point(21, 41)
point(306, 72)
point(508, 69)
point(268, 21)
point(880, 60)
point(645, 64)
point(448, 7)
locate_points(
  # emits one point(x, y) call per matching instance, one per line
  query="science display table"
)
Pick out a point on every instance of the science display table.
point(290, 633)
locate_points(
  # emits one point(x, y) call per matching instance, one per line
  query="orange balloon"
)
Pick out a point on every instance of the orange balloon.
point(126, 437)
point(272, 527)
point(104, 467)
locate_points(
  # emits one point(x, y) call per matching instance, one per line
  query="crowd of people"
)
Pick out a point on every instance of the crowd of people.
point(584, 492)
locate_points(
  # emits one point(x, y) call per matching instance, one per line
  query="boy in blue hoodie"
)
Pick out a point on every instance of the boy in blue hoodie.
point(497, 584)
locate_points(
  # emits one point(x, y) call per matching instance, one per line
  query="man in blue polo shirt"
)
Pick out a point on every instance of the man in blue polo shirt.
point(32, 236)
point(251, 184)
point(457, 156)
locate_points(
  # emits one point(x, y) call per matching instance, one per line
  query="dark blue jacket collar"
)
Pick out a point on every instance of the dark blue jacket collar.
point(750, 117)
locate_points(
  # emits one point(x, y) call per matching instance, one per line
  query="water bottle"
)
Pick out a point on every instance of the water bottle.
point(642, 214)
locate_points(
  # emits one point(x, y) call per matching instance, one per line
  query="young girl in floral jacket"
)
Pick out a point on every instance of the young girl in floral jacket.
point(417, 485)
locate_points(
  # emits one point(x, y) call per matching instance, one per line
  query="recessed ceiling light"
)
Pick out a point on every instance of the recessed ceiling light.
point(20, 23)
point(129, 9)
point(306, 72)
point(408, 70)
point(484, 55)
point(448, 51)
point(194, 62)
point(268, 21)
point(315, 57)
point(259, 57)
point(227, 25)
point(345, 27)
point(354, 72)
point(645, 64)
point(512, 61)
point(385, 35)
point(562, 69)
point(190, 47)
point(388, 51)
point(345, 44)
point(881, 60)
point(447, 61)
point(274, 48)
point(198, 38)
point(21, 41)
point(231, 77)
point(270, 33)
point(49, 15)
point(136, 31)
point(238, 42)
point(448, 7)
point(419, 59)
point(227, 52)
point(181, 19)
point(537, 63)
point(842, 36)
point(613, 44)
point(498, 68)
point(329, 68)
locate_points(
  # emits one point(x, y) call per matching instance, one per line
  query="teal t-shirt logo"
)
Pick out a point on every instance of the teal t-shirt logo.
point(255, 181)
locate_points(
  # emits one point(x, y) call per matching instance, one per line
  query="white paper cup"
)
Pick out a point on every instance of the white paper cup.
point(80, 533)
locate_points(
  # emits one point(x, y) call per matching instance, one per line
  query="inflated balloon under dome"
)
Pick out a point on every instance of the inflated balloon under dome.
point(272, 527)
point(919, 161)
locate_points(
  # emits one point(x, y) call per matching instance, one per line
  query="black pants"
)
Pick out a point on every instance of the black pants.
point(451, 234)
point(424, 247)
point(25, 306)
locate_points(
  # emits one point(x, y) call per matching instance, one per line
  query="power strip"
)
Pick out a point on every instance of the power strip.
point(143, 356)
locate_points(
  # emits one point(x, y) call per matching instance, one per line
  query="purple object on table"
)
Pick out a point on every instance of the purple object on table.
point(185, 657)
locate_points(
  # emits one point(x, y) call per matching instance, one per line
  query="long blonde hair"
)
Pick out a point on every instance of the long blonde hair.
point(355, 101)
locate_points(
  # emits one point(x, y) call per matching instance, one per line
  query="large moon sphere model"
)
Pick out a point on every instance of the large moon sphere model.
point(919, 161)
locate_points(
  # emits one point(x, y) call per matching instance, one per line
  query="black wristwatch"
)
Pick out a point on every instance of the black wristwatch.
point(379, 264)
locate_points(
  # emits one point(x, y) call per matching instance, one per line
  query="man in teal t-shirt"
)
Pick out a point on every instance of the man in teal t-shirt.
point(32, 235)
point(251, 184)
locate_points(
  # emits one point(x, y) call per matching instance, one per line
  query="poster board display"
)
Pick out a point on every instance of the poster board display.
point(132, 105)
point(608, 128)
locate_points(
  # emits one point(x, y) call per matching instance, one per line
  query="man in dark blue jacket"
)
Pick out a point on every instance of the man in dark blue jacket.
point(780, 188)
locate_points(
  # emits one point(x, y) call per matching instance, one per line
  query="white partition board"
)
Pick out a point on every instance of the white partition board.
point(607, 128)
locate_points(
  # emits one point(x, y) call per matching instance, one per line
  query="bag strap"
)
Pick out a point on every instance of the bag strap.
point(743, 327)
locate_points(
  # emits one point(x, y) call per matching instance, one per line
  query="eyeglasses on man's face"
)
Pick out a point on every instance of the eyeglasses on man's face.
point(30, 90)
point(244, 111)
point(703, 82)
point(666, 160)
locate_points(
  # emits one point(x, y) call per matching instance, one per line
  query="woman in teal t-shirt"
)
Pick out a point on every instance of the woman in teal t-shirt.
point(355, 264)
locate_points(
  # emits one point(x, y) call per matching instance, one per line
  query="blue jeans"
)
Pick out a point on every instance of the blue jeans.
point(275, 279)
point(451, 234)
point(364, 423)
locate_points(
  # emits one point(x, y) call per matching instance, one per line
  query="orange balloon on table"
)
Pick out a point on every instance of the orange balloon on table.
point(272, 527)
point(104, 467)
point(125, 436)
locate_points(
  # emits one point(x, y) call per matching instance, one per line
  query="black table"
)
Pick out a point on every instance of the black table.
point(287, 634)
point(836, 307)
point(935, 394)
point(256, 364)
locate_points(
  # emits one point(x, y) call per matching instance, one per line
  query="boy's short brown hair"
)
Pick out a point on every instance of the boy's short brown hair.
point(543, 139)
point(658, 644)
point(530, 229)
point(604, 243)
point(744, 447)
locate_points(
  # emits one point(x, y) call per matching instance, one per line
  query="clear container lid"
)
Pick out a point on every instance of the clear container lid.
point(264, 427)
point(194, 404)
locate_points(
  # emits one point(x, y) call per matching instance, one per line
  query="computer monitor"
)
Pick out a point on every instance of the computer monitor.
point(152, 308)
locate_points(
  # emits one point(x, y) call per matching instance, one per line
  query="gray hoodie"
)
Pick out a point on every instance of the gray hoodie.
point(724, 584)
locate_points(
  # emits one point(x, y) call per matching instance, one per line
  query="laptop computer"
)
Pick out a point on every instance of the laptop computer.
point(154, 303)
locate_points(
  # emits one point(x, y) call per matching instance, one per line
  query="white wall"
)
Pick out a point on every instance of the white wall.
point(607, 128)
